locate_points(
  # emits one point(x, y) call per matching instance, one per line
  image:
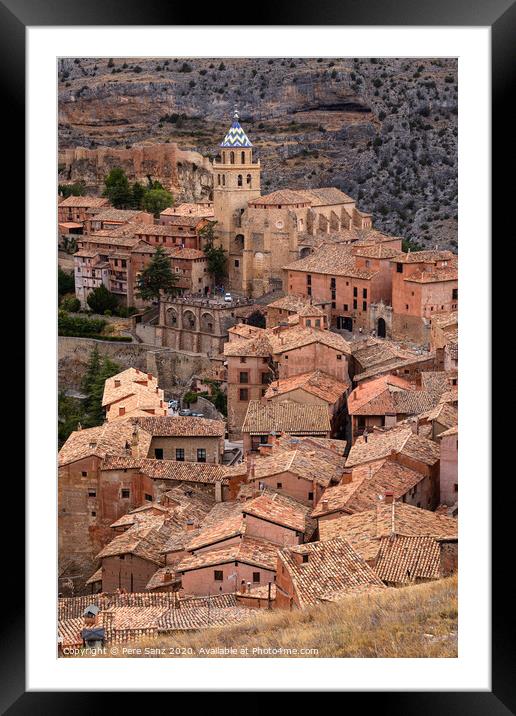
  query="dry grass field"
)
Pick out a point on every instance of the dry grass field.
point(413, 622)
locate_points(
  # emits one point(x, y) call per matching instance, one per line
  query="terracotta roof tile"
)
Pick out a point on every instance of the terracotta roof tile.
point(249, 550)
point(403, 559)
point(332, 259)
point(317, 383)
point(333, 570)
point(367, 483)
point(382, 443)
point(364, 528)
point(285, 416)
point(184, 426)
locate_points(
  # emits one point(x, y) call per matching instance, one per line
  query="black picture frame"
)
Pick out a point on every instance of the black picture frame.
point(500, 16)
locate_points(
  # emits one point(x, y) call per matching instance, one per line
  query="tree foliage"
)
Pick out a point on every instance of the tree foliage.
point(123, 195)
point(117, 189)
point(101, 300)
point(217, 258)
point(155, 200)
point(66, 190)
point(65, 282)
point(156, 277)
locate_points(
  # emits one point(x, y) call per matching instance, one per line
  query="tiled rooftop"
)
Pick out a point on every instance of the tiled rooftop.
point(285, 416)
point(363, 529)
point(182, 426)
point(332, 259)
point(367, 483)
point(382, 443)
point(403, 559)
point(333, 570)
point(254, 552)
point(317, 383)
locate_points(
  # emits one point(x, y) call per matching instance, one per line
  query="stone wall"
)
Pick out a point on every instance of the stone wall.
point(169, 366)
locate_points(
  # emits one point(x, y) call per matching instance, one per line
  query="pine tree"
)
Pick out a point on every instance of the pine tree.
point(156, 277)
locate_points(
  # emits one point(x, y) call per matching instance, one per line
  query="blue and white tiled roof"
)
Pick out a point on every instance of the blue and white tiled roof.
point(236, 137)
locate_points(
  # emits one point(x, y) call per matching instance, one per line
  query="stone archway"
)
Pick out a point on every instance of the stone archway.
point(381, 328)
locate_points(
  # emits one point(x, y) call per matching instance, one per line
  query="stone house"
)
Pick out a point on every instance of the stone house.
point(109, 218)
point(317, 388)
point(279, 353)
point(224, 570)
point(133, 393)
point(76, 208)
point(346, 278)
point(202, 209)
point(424, 284)
point(176, 233)
point(372, 357)
point(285, 308)
point(265, 419)
point(448, 478)
point(185, 439)
point(385, 401)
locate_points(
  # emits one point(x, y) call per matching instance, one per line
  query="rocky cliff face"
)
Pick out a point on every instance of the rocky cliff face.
point(384, 131)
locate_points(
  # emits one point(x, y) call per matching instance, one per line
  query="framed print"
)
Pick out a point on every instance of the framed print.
point(244, 250)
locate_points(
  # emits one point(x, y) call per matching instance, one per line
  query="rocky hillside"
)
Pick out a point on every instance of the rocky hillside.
point(384, 131)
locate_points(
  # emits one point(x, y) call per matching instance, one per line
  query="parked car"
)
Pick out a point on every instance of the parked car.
point(184, 412)
point(197, 415)
point(228, 297)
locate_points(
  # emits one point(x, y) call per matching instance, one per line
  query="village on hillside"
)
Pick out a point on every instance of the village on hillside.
point(267, 415)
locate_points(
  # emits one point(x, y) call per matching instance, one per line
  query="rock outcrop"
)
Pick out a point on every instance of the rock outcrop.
point(382, 130)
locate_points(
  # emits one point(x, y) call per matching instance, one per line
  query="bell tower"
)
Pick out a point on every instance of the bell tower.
point(236, 180)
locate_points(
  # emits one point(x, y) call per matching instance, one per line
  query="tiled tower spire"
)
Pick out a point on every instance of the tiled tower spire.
point(236, 137)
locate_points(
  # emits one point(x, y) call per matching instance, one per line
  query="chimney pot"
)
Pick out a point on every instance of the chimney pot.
point(389, 497)
point(347, 477)
point(324, 504)
point(117, 384)
point(167, 576)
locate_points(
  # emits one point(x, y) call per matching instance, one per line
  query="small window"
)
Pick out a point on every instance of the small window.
point(125, 493)
point(201, 455)
point(218, 575)
point(355, 291)
point(93, 514)
point(310, 495)
point(364, 305)
point(339, 356)
point(364, 293)
point(148, 497)
point(84, 473)
point(180, 455)
point(305, 558)
point(158, 453)
point(256, 577)
point(455, 294)
point(244, 377)
point(399, 268)
point(279, 485)
point(121, 556)
point(92, 493)
point(243, 394)
point(355, 304)
point(237, 263)
point(346, 307)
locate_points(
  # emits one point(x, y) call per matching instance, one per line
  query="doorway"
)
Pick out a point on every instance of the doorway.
point(381, 328)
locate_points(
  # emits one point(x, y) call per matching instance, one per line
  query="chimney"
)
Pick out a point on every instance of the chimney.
point(324, 505)
point(189, 525)
point(347, 477)
point(167, 576)
point(117, 384)
point(135, 450)
point(389, 497)
point(149, 376)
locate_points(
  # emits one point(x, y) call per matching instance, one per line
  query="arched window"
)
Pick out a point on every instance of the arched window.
point(239, 180)
point(218, 179)
point(249, 179)
point(232, 158)
point(243, 157)
point(223, 180)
